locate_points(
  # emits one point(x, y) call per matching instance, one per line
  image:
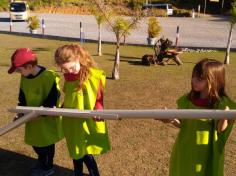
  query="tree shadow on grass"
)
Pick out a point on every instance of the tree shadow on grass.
point(121, 56)
point(131, 62)
point(138, 61)
point(221, 19)
point(34, 49)
point(15, 164)
point(109, 77)
point(129, 59)
point(41, 49)
point(4, 65)
point(188, 62)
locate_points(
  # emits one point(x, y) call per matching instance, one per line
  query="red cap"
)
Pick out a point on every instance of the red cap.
point(20, 57)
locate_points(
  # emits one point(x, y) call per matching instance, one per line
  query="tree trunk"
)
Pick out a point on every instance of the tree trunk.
point(99, 40)
point(226, 61)
point(115, 71)
point(124, 41)
point(205, 4)
point(222, 5)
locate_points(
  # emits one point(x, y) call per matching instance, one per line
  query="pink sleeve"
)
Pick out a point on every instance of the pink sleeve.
point(99, 100)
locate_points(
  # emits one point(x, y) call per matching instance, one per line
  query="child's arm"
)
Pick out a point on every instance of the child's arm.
point(21, 102)
point(53, 96)
point(223, 123)
point(99, 102)
point(99, 99)
point(21, 99)
point(174, 121)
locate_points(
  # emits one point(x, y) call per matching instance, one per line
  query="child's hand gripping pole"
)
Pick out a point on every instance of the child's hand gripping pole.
point(173, 121)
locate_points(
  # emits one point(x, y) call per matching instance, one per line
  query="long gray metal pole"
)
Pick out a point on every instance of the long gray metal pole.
point(18, 122)
point(131, 114)
point(33, 112)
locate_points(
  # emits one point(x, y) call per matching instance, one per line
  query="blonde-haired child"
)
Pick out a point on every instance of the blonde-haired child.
point(83, 88)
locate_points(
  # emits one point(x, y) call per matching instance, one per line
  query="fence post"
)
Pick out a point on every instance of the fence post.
point(205, 4)
point(81, 32)
point(199, 10)
point(177, 36)
point(10, 25)
point(43, 26)
point(193, 13)
point(82, 40)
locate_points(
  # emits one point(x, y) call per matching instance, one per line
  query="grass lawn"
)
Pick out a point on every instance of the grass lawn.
point(139, 147)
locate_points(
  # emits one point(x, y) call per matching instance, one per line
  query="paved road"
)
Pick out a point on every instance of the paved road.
point(198, 32)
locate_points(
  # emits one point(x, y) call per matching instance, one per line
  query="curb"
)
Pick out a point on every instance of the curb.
point(51, 37)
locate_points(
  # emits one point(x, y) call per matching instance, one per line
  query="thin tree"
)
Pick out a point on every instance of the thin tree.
point(121, 27)
point(205, 4)
point(232, 23)
point(100, 19)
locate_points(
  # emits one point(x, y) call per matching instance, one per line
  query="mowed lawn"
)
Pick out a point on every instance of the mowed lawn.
point(139, 147)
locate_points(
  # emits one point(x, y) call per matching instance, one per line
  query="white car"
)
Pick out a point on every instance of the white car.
point(19, 10)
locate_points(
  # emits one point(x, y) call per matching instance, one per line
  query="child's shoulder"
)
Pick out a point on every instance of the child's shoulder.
point(184, 97)
point(183, 101)
point(50, 76)
point(51, 73)
point(98, 73)
point(226, 101)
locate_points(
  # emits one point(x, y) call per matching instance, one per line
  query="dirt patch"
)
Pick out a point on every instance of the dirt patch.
point(64, 10)
point(83, 10)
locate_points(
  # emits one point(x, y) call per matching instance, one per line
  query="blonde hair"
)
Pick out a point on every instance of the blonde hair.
point(214, 72)
point(73, 53)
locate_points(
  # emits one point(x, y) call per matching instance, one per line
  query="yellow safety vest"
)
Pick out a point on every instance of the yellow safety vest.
point(44, 130)
point(84, 136)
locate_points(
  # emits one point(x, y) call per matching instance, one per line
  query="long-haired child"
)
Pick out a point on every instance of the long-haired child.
point(83, 89)
point(199, 147)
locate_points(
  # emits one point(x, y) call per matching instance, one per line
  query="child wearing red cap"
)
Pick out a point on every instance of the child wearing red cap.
point(38, 87)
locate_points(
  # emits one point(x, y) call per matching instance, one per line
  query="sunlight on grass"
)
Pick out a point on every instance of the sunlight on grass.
point(139, 147)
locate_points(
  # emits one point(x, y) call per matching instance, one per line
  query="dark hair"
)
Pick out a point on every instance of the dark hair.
point(214, 72)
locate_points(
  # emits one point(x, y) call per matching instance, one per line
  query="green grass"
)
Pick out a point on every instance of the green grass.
point(3, 5)
point(139, 147)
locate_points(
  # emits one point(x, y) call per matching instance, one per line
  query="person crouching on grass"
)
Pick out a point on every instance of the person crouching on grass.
point(38, 87)
point(83, 88)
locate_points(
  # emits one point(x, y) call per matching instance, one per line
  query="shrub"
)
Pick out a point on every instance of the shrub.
point(71, 3)
point(182, 13)
point(33, 22)
point(37, 4)
point(34, 5)
point(135, 4)
point(154, 29)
